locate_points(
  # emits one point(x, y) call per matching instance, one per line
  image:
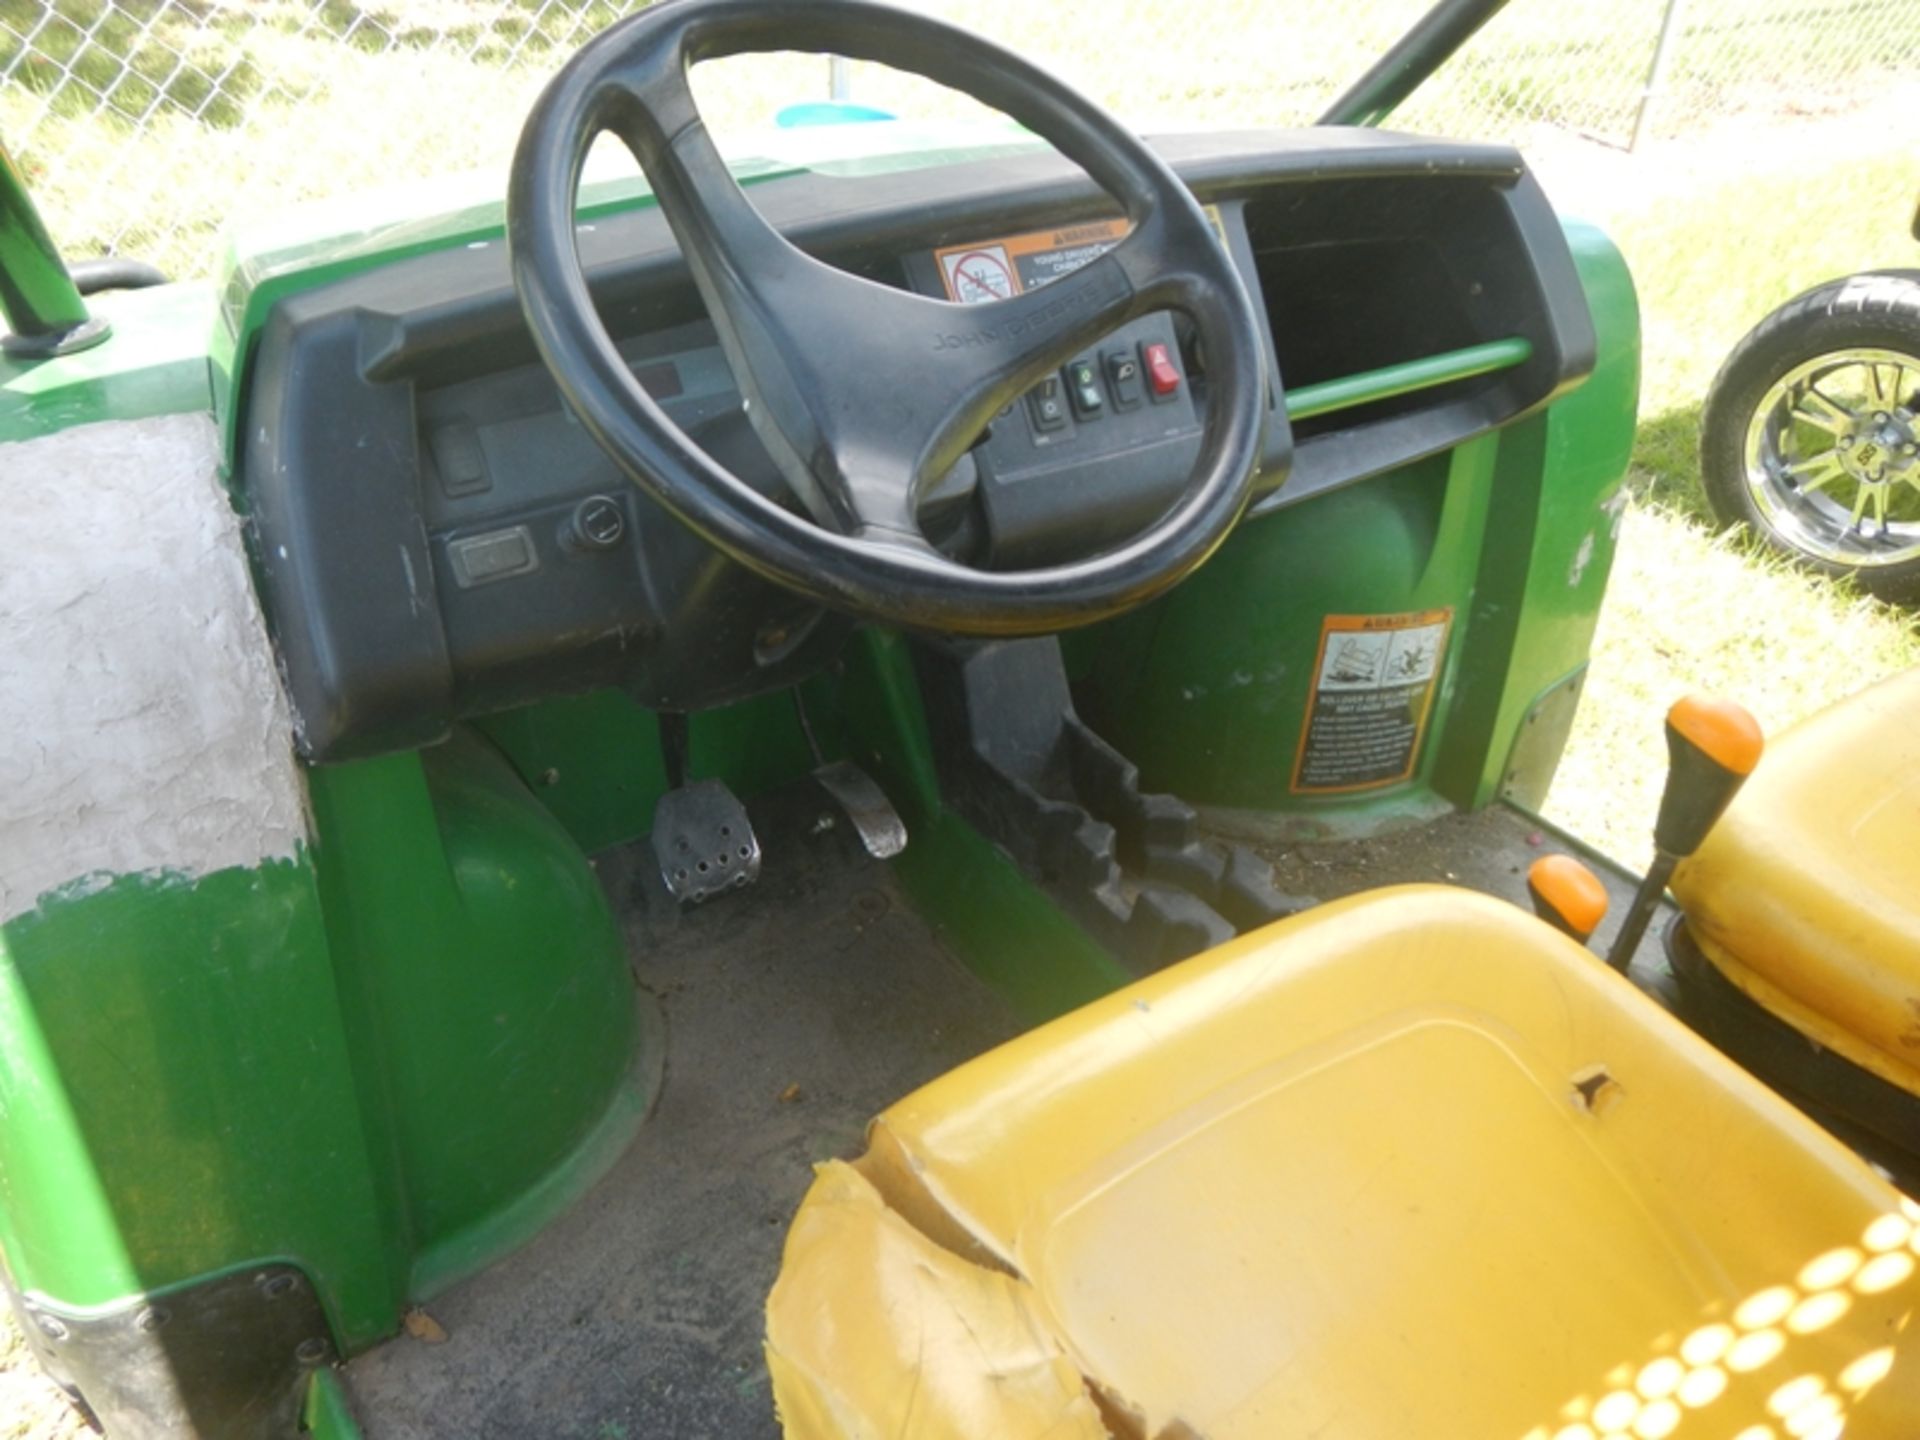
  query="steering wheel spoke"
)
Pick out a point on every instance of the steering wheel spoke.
point(864, 394)
point(720, 230)
point(1041, 329)
point(849, 414)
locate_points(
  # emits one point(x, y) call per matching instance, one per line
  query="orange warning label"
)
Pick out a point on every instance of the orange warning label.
point(1014, 264)
point(1372, 692)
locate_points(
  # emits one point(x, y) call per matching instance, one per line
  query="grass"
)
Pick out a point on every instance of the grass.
point(1689, 611)
point(1702, 228)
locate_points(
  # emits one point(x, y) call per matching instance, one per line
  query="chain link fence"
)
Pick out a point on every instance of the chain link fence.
point(144, 125)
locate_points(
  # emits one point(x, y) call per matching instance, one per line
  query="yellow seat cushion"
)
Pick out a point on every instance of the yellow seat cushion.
point(1409, 1165)
point(1807, 893)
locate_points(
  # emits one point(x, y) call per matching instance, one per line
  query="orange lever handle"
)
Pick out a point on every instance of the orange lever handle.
point(1724, 732)
point(1567, 895)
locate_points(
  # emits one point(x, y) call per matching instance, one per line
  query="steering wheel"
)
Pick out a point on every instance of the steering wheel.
point(864, 394)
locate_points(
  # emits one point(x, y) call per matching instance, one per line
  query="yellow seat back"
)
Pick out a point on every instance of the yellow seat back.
point(1807, 893)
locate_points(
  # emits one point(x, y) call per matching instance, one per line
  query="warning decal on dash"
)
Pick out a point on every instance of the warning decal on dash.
point(1372, 691)
point(1014, 264)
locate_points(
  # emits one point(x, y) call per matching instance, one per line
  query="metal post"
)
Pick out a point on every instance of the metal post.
point(839, 78)
point(1657, 72)
point(1415, 56)
point(42, 307)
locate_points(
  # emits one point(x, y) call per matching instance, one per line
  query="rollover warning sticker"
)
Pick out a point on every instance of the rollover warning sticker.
point(1372, 691)
point(1014, 264)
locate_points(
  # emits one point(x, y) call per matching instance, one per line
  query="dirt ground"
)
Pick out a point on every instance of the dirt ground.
point(31, 1406)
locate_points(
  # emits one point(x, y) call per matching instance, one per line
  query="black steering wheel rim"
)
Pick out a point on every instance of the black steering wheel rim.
point(853, 460)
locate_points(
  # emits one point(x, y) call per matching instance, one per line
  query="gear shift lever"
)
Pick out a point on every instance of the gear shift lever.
point(1714, 745)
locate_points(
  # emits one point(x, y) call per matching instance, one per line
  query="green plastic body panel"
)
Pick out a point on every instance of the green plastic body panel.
point(37, 297)
point(172, 1058)
point(325, 1416)
point(595, 760)
point(155, 363)
point(386, 1061)
point(1209, 689)
point(1554, 519)
point(493, 1014)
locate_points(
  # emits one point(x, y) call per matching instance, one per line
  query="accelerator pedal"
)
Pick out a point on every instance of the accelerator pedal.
point(703, 842)
point(875, 821)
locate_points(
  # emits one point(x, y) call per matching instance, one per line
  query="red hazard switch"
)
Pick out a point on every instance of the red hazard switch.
point(1163, 376)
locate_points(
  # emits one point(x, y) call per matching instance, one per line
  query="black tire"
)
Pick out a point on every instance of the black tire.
point(1877, 310)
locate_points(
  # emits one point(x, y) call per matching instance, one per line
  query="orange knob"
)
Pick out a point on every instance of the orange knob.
point(1567, 895)
point(1721, 730)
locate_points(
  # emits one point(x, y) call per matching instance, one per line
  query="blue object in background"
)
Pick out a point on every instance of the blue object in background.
point(828, 112)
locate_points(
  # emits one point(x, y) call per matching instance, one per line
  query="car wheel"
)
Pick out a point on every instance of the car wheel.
point(1811, 433)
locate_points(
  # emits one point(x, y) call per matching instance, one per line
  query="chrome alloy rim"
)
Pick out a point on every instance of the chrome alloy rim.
point(1833, 458)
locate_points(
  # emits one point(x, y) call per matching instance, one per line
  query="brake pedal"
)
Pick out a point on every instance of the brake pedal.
point(877, 823)
point(703, 842)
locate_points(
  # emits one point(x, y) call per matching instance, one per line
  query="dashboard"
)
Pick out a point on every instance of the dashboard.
point(437, 537)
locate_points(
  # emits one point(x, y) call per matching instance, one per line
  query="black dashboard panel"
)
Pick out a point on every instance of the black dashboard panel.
point(438, 538)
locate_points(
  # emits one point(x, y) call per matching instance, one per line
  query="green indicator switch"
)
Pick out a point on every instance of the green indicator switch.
point(1083, 384)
